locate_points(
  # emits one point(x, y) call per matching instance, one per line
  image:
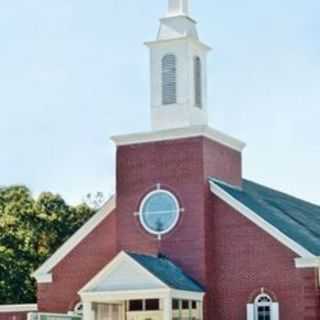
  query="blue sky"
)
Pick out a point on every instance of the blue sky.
point(75, 72)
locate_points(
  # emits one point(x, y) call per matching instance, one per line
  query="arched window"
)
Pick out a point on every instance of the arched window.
point(263, 307)
point(169, 79)
point(198, 82)
point(78, 309)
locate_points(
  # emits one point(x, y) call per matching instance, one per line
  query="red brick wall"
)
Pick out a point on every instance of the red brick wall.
point(13, 316)
point(242, 259)
point(182, 167)
point(73, 272)
point(221, 162)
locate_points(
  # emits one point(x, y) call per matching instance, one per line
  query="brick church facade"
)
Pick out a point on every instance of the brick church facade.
point(185, 235)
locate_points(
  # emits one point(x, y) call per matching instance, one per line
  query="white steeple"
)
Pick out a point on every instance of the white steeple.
point(178, 71)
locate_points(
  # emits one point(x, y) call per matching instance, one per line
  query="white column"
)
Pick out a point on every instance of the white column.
point(167, 307)
point(88, 312)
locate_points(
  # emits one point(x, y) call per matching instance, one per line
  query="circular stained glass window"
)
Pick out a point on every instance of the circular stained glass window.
point(159, 212)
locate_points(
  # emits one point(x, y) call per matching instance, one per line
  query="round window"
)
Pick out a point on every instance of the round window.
point(159, 212)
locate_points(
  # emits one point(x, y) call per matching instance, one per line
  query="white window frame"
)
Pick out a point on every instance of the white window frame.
point(177, 217)
point(78, 309)
point(252, 308)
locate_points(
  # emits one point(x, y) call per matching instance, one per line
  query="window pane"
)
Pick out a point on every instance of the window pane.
point(264, 313)
point(175, 304)
point(194, 304)
point(159, 212)
point(185, 304)
point(152, 304)
point(135, 305)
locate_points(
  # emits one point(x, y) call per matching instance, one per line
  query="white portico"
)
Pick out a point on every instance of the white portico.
point(135, 287)
point(178, 71)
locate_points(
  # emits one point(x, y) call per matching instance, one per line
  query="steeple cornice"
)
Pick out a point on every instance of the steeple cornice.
point(167, 41)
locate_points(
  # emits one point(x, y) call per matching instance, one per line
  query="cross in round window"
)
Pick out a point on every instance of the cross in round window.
point(159, 212)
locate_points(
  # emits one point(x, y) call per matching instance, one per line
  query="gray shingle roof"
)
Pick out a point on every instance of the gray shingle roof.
point(297, 219)
point(167, 272)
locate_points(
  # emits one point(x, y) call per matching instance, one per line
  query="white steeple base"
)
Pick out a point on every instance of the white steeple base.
point(177, 116)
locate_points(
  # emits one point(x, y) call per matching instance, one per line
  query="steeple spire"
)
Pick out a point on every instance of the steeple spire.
point(178, 7)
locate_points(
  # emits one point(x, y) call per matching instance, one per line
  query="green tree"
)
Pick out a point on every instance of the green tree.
point(30, 231)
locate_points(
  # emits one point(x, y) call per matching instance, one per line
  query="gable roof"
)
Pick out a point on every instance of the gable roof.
point(166, 271)
point(294, 222)
point(129, 272)
point(43, 273)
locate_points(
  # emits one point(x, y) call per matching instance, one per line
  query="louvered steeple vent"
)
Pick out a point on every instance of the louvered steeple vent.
point(178, 71)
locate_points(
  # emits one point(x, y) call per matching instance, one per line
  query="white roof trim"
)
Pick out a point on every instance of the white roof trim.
point(180, 133)
point(110, 267)
point(156, 43)
point(42, 274)
point(307, 262)
point(141, 294)
point(125, 295)
point(256, 219)
point(187, 295)
point(18, 308)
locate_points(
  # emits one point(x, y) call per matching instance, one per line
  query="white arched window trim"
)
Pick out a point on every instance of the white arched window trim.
point(252, 308)
point(78, 309)
point(197, 67)
point(169, 79)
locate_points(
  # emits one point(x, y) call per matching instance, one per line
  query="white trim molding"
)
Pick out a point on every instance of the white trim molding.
point(140, 294)
point(156, 43)
point(260, 222)
point(177, 212)
point(307, 262)
point(124, 295)
point(11, 308)
point(187, 295)
point(180, 133)
point(43, 273)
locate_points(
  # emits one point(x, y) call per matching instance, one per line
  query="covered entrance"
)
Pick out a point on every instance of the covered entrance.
point(140, 287)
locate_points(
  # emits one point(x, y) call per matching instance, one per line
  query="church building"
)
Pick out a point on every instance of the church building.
point(186, 236)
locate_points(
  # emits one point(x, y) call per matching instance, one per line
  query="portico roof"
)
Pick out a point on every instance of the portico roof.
point(133, 273)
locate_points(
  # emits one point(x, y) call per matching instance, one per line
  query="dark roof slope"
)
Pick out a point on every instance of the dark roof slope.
point(297, 219)
point(167, 272)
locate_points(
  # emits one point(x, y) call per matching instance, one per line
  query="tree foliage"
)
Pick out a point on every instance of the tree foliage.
point(30, 231)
